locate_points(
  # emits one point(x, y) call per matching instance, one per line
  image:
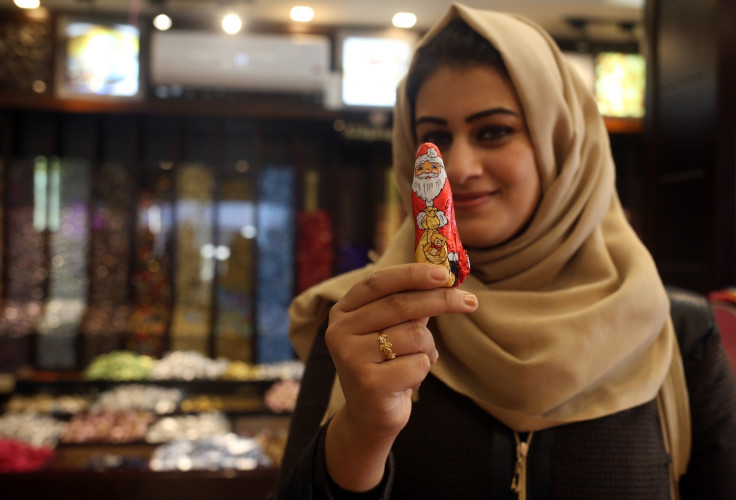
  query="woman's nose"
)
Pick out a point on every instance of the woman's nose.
point(461, 163)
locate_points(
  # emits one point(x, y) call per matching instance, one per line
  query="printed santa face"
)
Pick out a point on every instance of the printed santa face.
point(429, 174)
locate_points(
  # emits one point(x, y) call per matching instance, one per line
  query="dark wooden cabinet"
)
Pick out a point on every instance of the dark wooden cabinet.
point(690, 200)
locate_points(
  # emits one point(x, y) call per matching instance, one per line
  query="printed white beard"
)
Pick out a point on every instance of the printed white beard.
point(429, 189)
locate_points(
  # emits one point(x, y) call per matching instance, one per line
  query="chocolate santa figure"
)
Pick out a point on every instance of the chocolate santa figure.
point(436, 238)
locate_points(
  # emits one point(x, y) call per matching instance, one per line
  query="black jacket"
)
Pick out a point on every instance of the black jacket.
point(451, 449)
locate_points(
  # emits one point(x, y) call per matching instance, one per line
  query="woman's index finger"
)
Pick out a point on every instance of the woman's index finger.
point(390, 280)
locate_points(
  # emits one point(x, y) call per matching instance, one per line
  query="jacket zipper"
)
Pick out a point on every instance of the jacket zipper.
point(518, 483)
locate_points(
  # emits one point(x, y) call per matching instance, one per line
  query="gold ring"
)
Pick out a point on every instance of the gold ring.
point(385, 346)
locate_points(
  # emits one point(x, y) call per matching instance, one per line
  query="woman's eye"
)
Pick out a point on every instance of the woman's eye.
point(494, 133)
point(439, 139)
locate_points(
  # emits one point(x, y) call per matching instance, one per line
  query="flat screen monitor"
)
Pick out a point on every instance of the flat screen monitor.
point(620, 81)
point(372, 67)
point(98, 60)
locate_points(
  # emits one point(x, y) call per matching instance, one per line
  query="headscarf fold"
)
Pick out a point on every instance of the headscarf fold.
point(573, 319)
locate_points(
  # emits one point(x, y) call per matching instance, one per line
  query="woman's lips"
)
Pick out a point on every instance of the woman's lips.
point(467, 201)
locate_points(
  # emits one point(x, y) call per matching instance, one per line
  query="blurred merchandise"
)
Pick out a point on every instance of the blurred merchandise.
point(193, 427)
point(156, 399)
point(119, 365)
point(48, 403)
point(107, 426)
point(226, 451)
point(32, 428)
point(281, 397)
point(188, 365)
point(17, 456)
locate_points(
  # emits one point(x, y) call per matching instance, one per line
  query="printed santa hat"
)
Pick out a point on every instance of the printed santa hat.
point(428, 152)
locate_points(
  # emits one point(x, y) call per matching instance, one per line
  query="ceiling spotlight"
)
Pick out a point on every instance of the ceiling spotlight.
point(162, 22)
point(302, 14)
point(404, 20)
point(27, 4)
point(231, 23)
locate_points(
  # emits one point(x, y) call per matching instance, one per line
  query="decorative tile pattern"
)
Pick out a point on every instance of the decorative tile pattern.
point(274, 263)
point(68, 224)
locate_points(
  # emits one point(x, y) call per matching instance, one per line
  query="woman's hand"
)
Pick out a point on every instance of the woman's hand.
point(397, 302)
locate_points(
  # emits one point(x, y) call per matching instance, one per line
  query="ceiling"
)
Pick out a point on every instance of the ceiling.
point(603, 16)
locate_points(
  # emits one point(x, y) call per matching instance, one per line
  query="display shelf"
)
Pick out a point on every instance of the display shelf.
point(235, 398)
point(98, 469)
point(140, 485)
point(26, 386)
point(616, 125)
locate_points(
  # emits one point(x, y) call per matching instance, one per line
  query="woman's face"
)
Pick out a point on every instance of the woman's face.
point(474, 116)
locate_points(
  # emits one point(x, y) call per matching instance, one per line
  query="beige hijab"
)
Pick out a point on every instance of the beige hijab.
point(573, 320)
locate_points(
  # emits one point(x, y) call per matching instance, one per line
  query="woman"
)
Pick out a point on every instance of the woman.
point(539, 377)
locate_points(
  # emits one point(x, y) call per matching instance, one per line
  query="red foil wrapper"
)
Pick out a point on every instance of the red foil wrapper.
point(436, 239)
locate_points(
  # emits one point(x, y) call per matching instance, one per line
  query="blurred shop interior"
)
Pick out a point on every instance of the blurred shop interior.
point(173, 172)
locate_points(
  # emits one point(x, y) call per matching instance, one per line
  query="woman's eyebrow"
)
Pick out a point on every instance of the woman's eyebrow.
point(489, 112)
point(475, 116)
point(430, 119)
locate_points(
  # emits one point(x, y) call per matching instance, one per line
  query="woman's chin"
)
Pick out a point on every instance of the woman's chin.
point(479, 237)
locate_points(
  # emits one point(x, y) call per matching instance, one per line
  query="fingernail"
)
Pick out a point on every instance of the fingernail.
point(470, 299)
point(439, 274)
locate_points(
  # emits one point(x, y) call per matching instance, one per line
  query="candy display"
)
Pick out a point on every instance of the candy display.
point(159, 400)
point(315, 237)
point(188, 365)
point(207, 253)
point(145, 279)
point(274, 263)
point(202, 403)
point(17, 456)
point(282, 370)
point(234, 288)
point(32, 428)
point(273, 442)
point(436, 238)
point(107, 426)
point(110, 242)
point(194, 258)
point(110, 424)
point(105, 320)
point(67, 221)
point(238, 370)
point(185, 365)
point(119, 365)
point(17, 322)
point(193, 427)
point(48, 403)
point(315, 258)
point(28, 54)
point(157, 294)
point(151, 279)
point(25, 268)
point(227, 451)
point(281, 397)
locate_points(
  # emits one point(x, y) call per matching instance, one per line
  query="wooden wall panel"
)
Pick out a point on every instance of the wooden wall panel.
point(690, 194)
